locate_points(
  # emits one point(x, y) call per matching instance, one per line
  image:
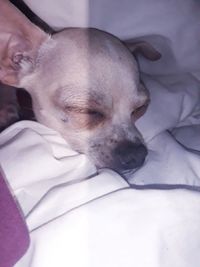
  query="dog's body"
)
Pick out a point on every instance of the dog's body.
point(84, 83)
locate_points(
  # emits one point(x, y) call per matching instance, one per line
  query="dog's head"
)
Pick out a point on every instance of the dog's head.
point(85, 84)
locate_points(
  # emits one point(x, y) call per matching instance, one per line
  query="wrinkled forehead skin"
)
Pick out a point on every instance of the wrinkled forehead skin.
point(88, 62)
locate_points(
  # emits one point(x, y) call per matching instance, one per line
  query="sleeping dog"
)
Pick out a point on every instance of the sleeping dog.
point(84, 83)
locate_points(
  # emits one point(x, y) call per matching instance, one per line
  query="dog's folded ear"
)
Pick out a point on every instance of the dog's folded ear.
point(19, 43)
point(144, 48)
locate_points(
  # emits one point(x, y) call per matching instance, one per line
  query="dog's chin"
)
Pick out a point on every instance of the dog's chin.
point(128, 174)
point(125, 173)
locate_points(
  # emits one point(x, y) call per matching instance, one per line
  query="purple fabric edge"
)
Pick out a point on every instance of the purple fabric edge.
point(14, 235)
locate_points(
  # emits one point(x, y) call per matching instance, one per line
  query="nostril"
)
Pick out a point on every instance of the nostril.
point(130, 155)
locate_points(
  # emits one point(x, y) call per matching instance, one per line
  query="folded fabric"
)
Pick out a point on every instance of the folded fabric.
point(80, 217)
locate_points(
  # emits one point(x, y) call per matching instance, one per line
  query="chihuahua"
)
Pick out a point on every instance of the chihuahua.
point(84, 83)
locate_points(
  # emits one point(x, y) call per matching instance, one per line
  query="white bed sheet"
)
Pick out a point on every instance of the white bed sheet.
point(78, 217)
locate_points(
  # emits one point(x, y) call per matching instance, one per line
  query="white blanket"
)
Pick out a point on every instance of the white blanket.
point(79, 217)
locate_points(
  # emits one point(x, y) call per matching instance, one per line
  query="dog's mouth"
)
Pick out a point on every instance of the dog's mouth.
point(127, 174)
point(126, 159)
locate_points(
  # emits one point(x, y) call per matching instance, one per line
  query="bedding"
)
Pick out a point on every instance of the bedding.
point(78, 216)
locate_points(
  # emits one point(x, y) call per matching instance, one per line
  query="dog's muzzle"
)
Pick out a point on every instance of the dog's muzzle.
point(128, 156)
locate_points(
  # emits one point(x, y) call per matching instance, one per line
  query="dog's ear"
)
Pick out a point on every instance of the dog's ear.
point(144, 48)
point(19, 43)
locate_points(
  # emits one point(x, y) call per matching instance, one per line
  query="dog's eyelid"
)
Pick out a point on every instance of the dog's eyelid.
point(140, 105)
point(143, 102)
point(94, 112)
point(83, 110)
point(139, 111)
point(77, 109)
point(74, 109)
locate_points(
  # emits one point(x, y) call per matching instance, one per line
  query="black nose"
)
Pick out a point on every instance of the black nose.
point(129, 155)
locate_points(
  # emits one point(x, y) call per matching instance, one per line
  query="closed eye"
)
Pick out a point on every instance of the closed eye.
point(95, 113)
point(139, 112)
point(90, 112)
point(84, 117)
